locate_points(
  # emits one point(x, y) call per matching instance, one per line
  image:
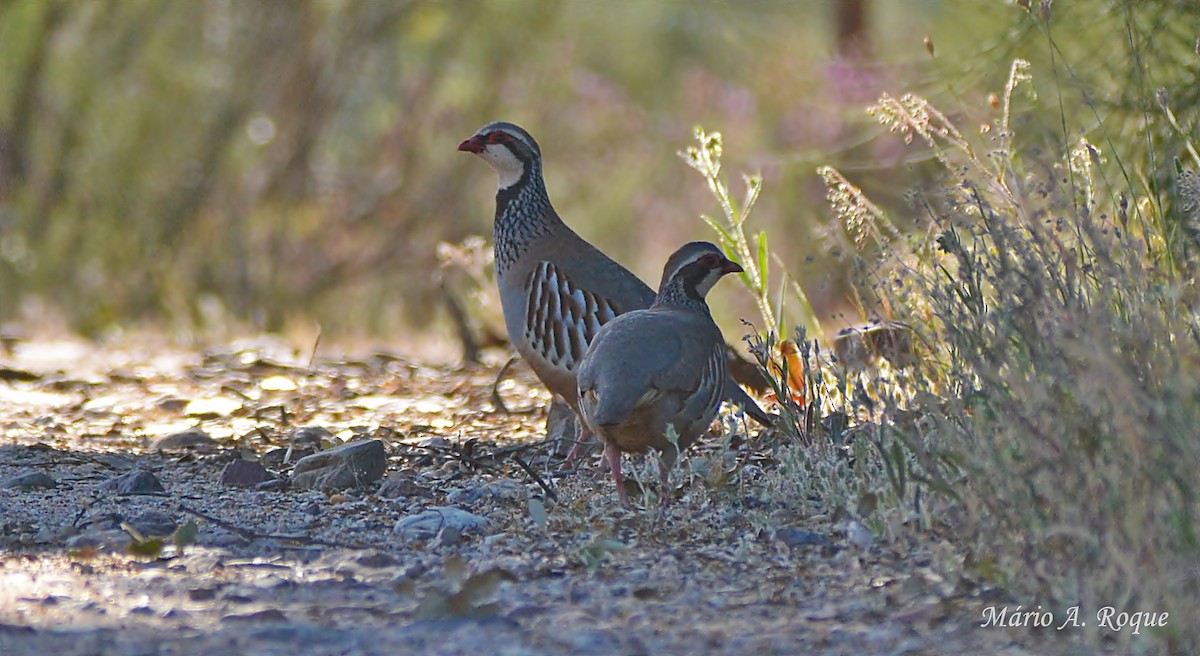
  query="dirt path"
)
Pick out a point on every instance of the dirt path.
point(735, 566)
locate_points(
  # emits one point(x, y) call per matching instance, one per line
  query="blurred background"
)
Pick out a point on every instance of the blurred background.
point(223, 166)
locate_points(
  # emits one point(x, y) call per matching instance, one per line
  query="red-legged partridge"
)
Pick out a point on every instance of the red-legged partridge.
point(662, 368)
point(556, 289)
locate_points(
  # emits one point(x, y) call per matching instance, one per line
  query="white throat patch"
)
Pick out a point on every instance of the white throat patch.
point(508, 168)
point(707, 282)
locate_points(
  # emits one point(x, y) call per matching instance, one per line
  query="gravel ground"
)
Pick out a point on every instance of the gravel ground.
point(466, 540)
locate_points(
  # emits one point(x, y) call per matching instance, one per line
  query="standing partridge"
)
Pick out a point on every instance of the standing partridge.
point(651, 371)
point(556, 289)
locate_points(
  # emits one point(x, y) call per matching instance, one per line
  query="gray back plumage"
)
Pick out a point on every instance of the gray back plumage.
point(668, 360)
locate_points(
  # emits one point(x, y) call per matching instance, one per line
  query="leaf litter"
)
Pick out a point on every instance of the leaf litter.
point(556, 567)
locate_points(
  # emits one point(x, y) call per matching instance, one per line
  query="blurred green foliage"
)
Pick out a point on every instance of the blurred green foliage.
point(197, 164)
point(213, 163)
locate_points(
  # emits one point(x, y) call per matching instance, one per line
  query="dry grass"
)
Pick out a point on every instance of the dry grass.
point(1049, 423)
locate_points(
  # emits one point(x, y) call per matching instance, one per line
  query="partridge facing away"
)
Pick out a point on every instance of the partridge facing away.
point(556, 289)
point(659, 368)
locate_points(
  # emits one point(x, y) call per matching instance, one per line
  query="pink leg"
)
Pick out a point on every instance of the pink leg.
point(613, 455)
point(582, 442)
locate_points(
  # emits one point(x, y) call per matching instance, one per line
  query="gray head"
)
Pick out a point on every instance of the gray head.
point(507, 148)
point(694, 269)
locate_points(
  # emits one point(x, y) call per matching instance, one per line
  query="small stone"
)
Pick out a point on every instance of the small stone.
point(504, 489)
point(310, 437)
point(859, 535)
point(152, 524)
point(797, 537)
point(437, 441)
point(274, 457)
point(401, 485)
point(172, 404)
point(273, 485)
point(29, 481)
point(134, 482)
point(202, 594)
point(268, 615)
point(244, 473)
point(427, 524)
point(353, 464)
point(192, 438)
point(115, 462)
point(377, 560)
point(449, 536)
point(19, 375)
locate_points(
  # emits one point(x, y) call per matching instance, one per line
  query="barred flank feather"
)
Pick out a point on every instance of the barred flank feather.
point(1188, 203)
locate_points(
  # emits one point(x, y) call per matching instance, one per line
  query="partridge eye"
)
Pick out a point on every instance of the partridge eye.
point(709, 261)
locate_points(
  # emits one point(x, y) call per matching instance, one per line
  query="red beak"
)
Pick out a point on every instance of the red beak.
point(473, 145)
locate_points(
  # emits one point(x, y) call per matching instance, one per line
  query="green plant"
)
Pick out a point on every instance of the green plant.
point(1048, 420)
point(1057, 400)
point(705, 157)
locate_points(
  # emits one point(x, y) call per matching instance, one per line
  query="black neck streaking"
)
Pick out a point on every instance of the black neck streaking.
point(683, 289)
point(523, 213)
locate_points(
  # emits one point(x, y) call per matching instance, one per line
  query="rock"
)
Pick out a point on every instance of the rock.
point(401, 485)
point(273, 485)
point(310, 437)
point(350, 465)
point(203, 594)
point(437, 441)
point(29, 481)
point(29, 456)
point(797, 537)
point(377, 560)
point(134, 482)
point(503, 489)
point(19, 375)
point(428, 523)
point(172, 404)
point(859, 535)
point(152, 524)
point(115, 462)
point(449, 536)
point(268, 615)
point(192, 438)
point(244, 473)
point(274, 457)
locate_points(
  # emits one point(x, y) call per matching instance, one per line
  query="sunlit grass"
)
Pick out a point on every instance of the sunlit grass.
point(1047, 420)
